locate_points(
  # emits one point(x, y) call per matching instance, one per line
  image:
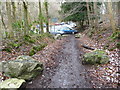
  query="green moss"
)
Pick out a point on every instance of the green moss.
point(7, 50)
point(46, 35)
point(31, 41)
point(23, 67)
point(16, 40)
point(32, 52)
point(43, 45)
point(96, 57)
point(118, 45)
point(27, 38)
point(35, 49)
point(40, 47)
point(14, 45)
point(115, 35)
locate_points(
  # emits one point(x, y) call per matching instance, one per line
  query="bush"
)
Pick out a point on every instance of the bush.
point(35, 49)
point(46, 35)
point(27, 38)
point(7, 50)
point(15, 45)
point(115, 35)
point(32, 52)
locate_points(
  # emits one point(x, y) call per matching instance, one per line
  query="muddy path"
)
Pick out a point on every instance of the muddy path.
point(69, 73)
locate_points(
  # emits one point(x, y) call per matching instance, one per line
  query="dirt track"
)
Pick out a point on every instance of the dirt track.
point(69, 73)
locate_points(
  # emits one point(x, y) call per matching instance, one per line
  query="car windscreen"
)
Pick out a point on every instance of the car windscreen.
point(65, 28)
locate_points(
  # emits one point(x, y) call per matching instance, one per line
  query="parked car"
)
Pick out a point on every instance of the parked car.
point(57, 32)
point(68, 30)
point(65, 30)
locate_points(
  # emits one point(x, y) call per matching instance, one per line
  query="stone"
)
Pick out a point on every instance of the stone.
point(11, 83)
point(78, 35)
point(95, 57)
point(24, 67)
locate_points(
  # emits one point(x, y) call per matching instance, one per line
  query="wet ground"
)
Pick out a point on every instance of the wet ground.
point(69, 71)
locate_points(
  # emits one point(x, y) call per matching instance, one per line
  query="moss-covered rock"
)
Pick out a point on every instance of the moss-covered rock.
point(95, 57)
point(24, 67)
point(11, 83)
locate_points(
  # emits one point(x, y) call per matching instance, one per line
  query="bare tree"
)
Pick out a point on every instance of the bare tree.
point(8, 7)
point(95, 15)
point(47, 15)
point(26, 25)
point(111, 18)
point(40, 16)
point(88, 12)
point(13, 10)
point(118, 6)
point(2, 19)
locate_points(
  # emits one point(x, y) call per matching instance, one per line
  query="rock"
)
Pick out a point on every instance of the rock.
point(24, 67)
point(78, 35)
point(95, 57)
point(11, 83)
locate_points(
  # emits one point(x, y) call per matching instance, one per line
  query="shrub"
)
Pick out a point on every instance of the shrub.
point(15, 45)
point(27, 38)
point(35, 49)
point(46, 35)
point(115, 35)
point(7, 50)
point(32, 52)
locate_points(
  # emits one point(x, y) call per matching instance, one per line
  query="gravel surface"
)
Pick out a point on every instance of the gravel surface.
point(69, 72)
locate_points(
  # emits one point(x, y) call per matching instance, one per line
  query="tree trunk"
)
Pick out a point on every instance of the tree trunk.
point(91, 15)
point(47, 16)
point(95, 15)
point(0, 27)
point(26, 25)
point(118, 14)
point(40, 17)
point(112, 22)
point(88, 13)
point(14, 11)
point(8, 7)
point(2, 20)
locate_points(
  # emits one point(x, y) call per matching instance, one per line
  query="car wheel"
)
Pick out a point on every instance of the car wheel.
point(73, 32)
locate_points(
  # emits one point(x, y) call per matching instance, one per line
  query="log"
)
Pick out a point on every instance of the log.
point(87, 47)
